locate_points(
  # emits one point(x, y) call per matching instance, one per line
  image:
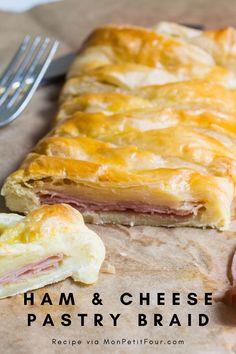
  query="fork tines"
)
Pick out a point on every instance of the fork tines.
point(23, 75)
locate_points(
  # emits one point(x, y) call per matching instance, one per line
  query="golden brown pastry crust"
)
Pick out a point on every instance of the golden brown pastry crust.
point(146, 128)
point(48, 245)
point(219, 43)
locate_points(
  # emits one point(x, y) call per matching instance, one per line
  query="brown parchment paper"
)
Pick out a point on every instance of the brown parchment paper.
point(146, 259)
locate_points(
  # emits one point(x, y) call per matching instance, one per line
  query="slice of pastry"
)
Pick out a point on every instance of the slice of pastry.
point(47, 246)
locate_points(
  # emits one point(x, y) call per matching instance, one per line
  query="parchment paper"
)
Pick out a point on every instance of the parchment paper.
point(146, 259)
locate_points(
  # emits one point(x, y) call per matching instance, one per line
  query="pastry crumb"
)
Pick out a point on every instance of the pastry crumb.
point(108, 268)
point(123, 254)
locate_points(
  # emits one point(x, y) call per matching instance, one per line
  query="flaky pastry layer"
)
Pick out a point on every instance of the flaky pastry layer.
point(145, 132)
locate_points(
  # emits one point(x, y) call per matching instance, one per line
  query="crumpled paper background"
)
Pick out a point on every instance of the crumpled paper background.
point(146, 259)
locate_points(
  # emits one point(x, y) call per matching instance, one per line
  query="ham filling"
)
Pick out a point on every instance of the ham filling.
point(47, 264)
point(82, 205)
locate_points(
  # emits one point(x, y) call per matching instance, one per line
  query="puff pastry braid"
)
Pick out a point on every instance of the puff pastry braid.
point(145, 133)
point(47, 246)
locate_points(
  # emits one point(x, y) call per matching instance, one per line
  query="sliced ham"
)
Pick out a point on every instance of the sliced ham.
point(83, 205)
point(44, 265)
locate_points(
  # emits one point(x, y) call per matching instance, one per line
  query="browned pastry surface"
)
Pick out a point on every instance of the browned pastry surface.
point(145, 133)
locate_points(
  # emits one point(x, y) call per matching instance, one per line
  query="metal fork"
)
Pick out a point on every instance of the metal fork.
point(23, 75)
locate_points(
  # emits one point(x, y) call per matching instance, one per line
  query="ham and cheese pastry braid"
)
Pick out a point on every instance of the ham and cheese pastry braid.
point(145, 135)
point(50, 244)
